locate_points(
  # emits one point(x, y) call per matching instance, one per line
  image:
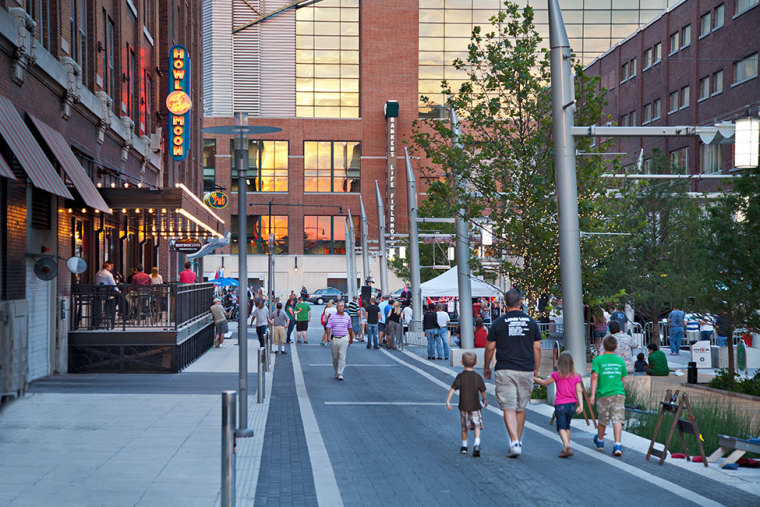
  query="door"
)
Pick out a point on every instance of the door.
point(39, 299)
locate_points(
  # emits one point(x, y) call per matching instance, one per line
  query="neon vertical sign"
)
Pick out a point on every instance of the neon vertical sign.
point(178, 102)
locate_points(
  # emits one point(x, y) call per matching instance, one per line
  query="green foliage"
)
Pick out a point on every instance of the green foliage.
point(538, 393)
point(733, 382)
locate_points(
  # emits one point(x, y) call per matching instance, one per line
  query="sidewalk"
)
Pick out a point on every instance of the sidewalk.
point(147, 440)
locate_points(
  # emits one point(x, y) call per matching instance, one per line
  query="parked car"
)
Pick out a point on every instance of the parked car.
point(322, 296)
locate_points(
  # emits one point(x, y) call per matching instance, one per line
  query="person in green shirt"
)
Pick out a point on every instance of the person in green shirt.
point(658, 363)
point(607, 372)
point(303, 316)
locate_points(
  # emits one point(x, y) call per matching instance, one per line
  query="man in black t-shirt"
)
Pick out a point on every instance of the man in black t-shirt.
point(373, 316)
point(515, 339)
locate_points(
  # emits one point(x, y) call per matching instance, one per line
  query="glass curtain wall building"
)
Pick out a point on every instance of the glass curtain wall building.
point(445, 26)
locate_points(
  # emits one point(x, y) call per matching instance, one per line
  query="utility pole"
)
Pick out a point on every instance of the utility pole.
point(241, 163)
point(352, 254)
point(414, 246)
point(349, 246)
point(381, 240)
point(365, 244)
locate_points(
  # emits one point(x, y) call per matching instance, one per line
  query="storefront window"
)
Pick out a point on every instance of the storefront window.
point(332, 166)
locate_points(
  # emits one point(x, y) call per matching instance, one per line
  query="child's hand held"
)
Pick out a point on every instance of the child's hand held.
point(448, 405)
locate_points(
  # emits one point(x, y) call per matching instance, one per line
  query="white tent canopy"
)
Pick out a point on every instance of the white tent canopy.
point(447, 284)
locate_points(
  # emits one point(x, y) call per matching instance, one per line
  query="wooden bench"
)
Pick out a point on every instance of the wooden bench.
point(738, 445)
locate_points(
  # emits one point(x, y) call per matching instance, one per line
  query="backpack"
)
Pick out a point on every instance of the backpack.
point(323, 319)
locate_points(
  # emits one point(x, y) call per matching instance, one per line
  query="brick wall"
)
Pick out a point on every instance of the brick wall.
point(14, 239)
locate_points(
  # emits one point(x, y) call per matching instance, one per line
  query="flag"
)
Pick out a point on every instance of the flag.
point(219, 273)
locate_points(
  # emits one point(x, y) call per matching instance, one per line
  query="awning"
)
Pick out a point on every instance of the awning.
point(5, 170)
point(28, 152)
point(71, 165)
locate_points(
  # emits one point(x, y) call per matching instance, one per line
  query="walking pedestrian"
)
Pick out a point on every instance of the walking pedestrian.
point(303, 315)
point(289, 311)
point(442, 340)
point(393, 326)
point(188, 275)
point(373, 318)
point(383, 305)
point(407, 314)
point(280, 321)
point(261, 317)
point(625, 345)
point(430, 327)
point(353, 311)
point(481, 334)
point(470, 385)
point(568, 400)
point(675, 319)
point(220, 322)
point(516, 341)
point(600, 327)
point(363, 320)
point(607, 372)
point(341, 336)
point(329, 310)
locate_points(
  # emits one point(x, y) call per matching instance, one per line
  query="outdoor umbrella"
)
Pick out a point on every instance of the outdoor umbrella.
point(225, 282)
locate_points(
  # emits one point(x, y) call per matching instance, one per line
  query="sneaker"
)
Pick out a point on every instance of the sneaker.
point(376, 347)
point(368, 347)
point(340, 377)
point(283, 352)
point(476, 451)
point(515, 450)
point(617, 450)
point(463, 450)
point(599, 443)
point(275, 352)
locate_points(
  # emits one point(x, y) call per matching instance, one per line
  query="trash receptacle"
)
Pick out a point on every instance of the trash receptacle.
point(701, 354)
point(691, 373)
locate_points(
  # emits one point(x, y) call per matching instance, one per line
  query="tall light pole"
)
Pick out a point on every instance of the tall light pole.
point(466, 328)
point(352, 254)
point(365, 244)
point(414, 246)
point(563, 108)
point(381, 241)
point(349, 246)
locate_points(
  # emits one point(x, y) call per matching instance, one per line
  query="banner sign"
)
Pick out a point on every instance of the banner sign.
point(178, 102)
point(392, 188)
point(216, 200)
point(189, 245)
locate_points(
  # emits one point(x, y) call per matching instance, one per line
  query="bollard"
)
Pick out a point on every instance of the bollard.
point(260, 390)
point(268, 349)
point(228, 448)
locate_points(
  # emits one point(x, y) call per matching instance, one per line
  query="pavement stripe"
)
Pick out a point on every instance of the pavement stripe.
point(361, 365)
point(636, 472)
point(327, 489)
point(416, 403)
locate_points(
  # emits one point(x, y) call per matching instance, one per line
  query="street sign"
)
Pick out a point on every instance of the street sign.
point(216, 200)
point(189, 245)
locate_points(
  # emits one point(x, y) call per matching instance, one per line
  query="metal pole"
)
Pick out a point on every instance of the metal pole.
point(260, 371)
point(563, 107)
point(466, 328)
point(414, 246)
point(349, 246)
point(354, 270)
point(241, 162)
point(228, 448)
point(270, 264)
point(365, 244)
point(381, 239)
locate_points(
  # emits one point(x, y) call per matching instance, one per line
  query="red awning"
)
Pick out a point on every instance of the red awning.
point(71, 165)
point(5, 170)
point(28, 152)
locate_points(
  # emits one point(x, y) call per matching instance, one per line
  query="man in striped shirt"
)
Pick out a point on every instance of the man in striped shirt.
point(341, 337)
point(353, 312)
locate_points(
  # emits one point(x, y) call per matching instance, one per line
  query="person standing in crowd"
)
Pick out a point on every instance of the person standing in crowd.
point(280, 322)
point(188, 275)
point(430, 327)
point(373, 318)
point(329, 310)
point(619, 316)
point(405, 297)
point(155, 278)
point(706, 327)
point(675, 319)
point(393, 326)
point(220, 322)
point(481, 334)
point(289, 311)
point(485, 312)
point(516, 341)
point(722, 330)
point(600, 327)
point(104, 276)
point(131, 275)
point(625, 345)
point(302, 311)
point(407, 314)
point(341, 337)
point(363, 320)
point(353, 311)
point(477, 307)
point(140, 277)
point(383, 304)
point(443, 332)
point(261, 318)
point(304, 293)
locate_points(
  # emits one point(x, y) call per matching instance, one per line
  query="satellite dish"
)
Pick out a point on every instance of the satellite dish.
point(46, 268)
point(76, 265)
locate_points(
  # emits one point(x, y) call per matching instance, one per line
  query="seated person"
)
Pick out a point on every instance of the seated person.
point(481, 334)
point(658, 363)
point(640, 366)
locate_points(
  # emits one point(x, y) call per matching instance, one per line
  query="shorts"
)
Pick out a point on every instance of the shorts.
point(302, 325)
point(471, 420)
point(221, 327)
point(513, 389)
point(278, 336)
point(611, 409)
point(381, 327)
point(563, 414)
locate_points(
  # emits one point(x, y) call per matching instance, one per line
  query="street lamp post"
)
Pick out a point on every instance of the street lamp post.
point(365, 244)
point(415, 326)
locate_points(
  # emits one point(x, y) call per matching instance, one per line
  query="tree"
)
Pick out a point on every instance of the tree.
point(506, 154)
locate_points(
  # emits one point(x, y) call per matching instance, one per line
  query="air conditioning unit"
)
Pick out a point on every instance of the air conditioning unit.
point(155, 140)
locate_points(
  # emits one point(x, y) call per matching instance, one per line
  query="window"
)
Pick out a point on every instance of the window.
point(209, 165)
point(718, 82)
point(647, 114)
point(646, 166)
point(710, 158)
point(704, 88)
point(679, 160)
point(149, 16)
point(257, 232)
point(675, 42)
point(332, 166)
point(624, 73)
point(656, 107)
point(130, 85)
point(78, 25)
point(632, 68)
point(657, 49)
point(673, 102)
point(719, 11)
point(624, 120)
point(647, 58)
point(148, 111)
point(743, 6)
point(267, 166)
point(686, 36)
point(745, 69)
point(705, 24)
point(685, 97)
point(39, 10)
point(324, 235)
point(632, 116)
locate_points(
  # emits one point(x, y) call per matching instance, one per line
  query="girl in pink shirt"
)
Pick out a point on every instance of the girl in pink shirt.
point(568, 399)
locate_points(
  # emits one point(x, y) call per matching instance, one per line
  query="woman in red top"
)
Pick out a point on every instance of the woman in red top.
point(481, 334)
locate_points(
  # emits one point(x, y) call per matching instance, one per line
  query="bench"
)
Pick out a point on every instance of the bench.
point(738, 445)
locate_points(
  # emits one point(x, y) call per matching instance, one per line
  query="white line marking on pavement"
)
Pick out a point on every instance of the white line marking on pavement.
point(326, 486)
point(356, 365)
point(636, 472)
point(436, 403)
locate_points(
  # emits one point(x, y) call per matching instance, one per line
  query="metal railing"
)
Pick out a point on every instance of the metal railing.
point(164, 306)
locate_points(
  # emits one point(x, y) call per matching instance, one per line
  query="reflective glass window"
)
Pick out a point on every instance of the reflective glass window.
point(705, 24)
point(745, 68)
point(332, 166)
point(673, 98)
point(685, 97)
point(718, 82)
point(267, 166)
point(324, 235)
point(719, 11)
point(258, 228)
point(209, 165)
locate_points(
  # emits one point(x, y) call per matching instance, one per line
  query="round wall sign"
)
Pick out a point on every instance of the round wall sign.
point(178, 102)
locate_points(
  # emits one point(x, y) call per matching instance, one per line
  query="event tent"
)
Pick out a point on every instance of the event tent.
point(447, 285)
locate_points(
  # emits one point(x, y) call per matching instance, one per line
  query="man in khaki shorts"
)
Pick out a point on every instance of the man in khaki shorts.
point(515, 339)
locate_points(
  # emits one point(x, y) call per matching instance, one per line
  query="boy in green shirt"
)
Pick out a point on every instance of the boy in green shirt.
point(607, 372)
point(658, 363)
point(303, 316)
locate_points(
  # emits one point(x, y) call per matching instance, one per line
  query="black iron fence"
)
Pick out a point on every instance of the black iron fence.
point(165, 306)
